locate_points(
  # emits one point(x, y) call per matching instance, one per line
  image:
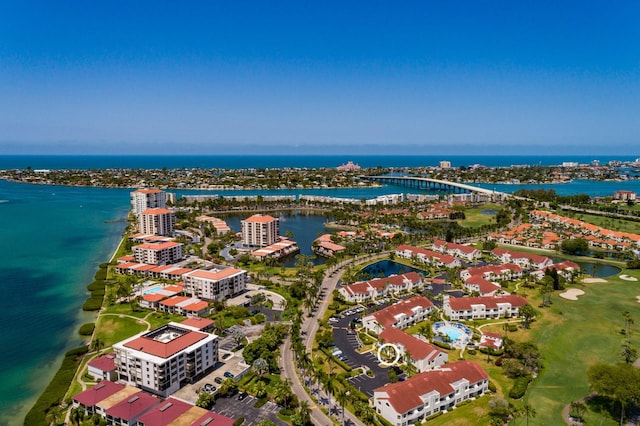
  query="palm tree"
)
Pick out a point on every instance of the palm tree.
point(305, 412)
point(260, 366)
point(627, 321)
point(528, 411)
point(97, 344)
point(76, 416)
point(53, 416)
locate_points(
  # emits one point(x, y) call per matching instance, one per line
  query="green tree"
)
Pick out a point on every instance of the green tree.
point(619, 382)
point(205, 400)
point(260, 366)
point(528, 411)
point(528, 314)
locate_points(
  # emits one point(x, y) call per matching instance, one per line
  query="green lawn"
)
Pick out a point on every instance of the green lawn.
point(573, 335)
point(474, 216)
point(112, 329)
point(613, 224)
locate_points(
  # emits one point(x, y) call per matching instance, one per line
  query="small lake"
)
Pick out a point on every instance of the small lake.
point(385, 268)
point(305, 226)
point(597, 270)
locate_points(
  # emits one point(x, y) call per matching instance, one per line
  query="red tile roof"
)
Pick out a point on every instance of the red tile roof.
point(258, 218)
point(165, 350)
point(197, 322)
point(405, 396)
point(419, 349)
point(156, 211)
point(99, 392)
point(387, 316)
point(165, 413)
point(465, 303)
point(214, 275)
point(133, 406)
point(104, 363)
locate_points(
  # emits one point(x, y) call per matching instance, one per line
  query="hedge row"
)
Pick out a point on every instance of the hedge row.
point(97, 289)
point(87, 329)
point(55, 391)
point(440, 344)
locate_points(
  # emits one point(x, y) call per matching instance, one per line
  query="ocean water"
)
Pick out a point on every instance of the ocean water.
point(280, 161)
point(54, 237)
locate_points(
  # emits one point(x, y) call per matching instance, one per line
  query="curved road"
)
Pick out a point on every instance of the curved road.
point(309, 329)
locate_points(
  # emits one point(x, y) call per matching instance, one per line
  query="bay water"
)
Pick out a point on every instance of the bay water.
point(53, 238)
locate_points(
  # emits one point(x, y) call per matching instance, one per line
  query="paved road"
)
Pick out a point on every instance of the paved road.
point(310, 328)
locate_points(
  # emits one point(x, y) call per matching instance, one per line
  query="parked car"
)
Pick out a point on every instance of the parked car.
point(209, 388)
point(218, 380)
point(241, 396)
point(228, 374)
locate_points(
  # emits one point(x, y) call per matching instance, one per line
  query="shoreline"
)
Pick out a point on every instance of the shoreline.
point(28, 407)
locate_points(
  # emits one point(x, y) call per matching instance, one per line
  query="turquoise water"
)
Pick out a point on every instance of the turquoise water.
point(152, 290)
point(455, 332)
point(53, 238)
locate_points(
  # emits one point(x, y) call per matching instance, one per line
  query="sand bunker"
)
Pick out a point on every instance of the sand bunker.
point(628, 278)
point(593, 280)
point(638, 297)
point(572, 294)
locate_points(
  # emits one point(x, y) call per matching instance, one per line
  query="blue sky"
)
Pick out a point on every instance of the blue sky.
point(214, 77)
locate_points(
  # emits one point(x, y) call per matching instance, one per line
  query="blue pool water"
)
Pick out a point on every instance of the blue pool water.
point(151, 290)
point(455, 331)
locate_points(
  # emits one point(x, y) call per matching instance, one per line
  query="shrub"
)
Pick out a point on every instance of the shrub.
point(519, 387)
point(492, 386)
point(238, 421)
point(92, 304)
point(440, 344)
point(87, 329)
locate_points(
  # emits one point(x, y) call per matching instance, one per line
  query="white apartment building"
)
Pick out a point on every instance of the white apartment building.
point(158, 221)
point(260, 230)
point(403, 314)
point(164, 360)
point(143, 199)
point(415, 399)
point(158, 254)
point(469, 308)
point(424, 355)
point(215, 284)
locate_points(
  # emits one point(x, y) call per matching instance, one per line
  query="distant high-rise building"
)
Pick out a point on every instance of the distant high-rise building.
point(143, 199)
point(260, 231)
point(445, 164)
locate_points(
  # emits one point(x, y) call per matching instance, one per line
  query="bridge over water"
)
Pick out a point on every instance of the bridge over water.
point(435, 185)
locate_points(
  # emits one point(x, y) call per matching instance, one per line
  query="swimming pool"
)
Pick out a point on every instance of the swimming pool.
point(151, 290)
point(457, 333)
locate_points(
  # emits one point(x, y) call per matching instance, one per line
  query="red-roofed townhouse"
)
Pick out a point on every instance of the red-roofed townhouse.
point(327, 248)
point(424, 355)
point(215, 284)
point(127, 412)
point(380, 287)
point(163, 360)
point(88, 399)
point(403, 314)
point(468, 253)
point(491, 340)
point(425, 394)
point(200, 324)
point(174, 412)
point(427, 256)
point(524, 260)
point(469, 308)
point(477, 284)
point(103, 368)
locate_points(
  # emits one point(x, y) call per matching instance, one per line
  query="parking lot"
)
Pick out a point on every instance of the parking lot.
point(235, 408)
point(348, 344)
